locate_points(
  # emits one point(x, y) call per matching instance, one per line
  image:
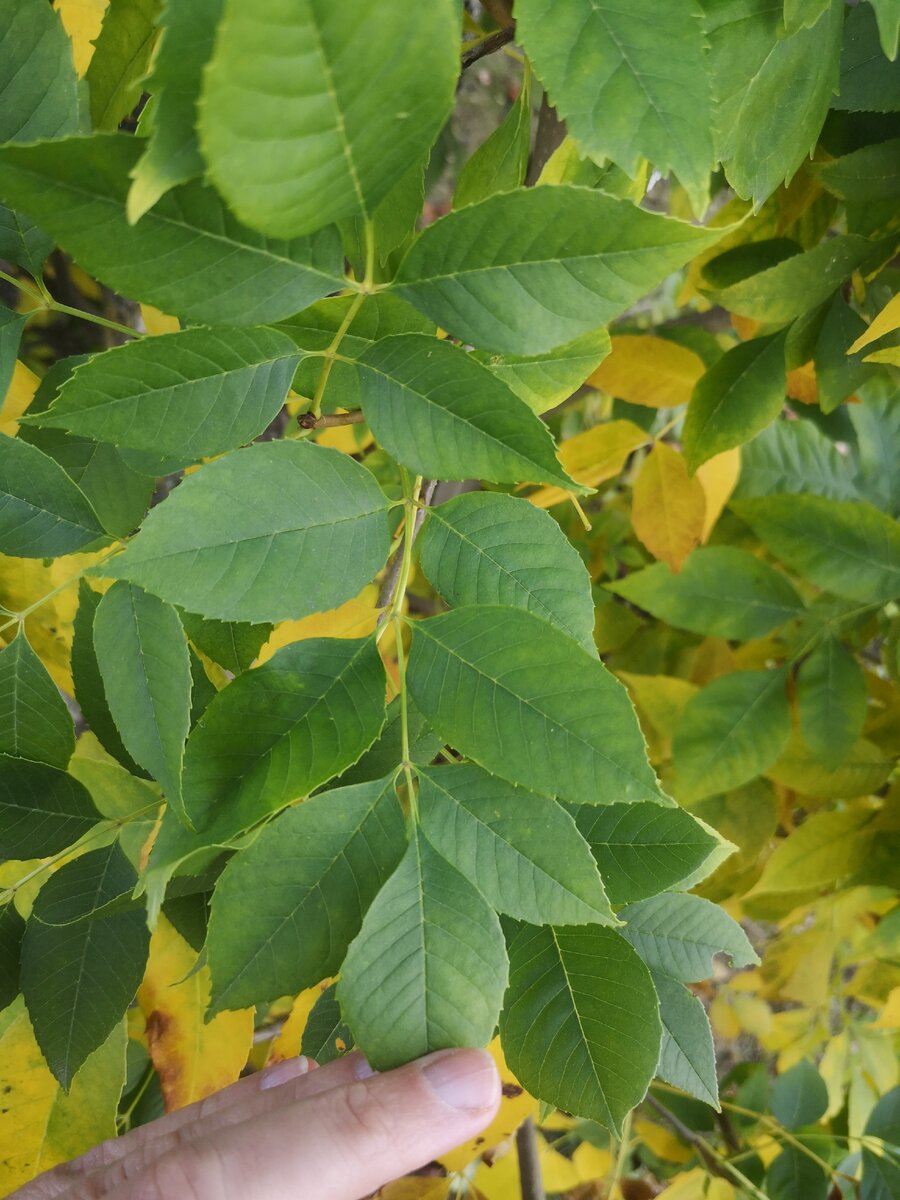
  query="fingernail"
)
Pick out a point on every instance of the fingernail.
point(464, 1079)
point(362, 1070)
point(283, 1072)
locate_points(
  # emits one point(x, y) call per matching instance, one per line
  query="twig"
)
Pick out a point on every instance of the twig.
point(392, 575)
point(489, 45)
point(309, 420)
point(532, 1186)
point(711, 1159)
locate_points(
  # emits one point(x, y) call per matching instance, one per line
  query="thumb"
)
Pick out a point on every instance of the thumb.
point(341, 1144)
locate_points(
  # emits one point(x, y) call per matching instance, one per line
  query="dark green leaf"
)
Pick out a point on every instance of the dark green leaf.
point(679, 934)
point(23, 243)
point(34, 720)
point(580, 1025)
point(642, 849)
point(42, 809)
point(428, 969)
point(794, 1174)
point(831, 701)
point(312, 874)
point(234, 645)
point(526, 270)
point(799, 1096)
point(188, 256)
point(12, 927)
point(119, 63)
point(210, 550)
point(868, 181)
point(687, 1057)
point(282, 730)
point(11, 326)
point(37, 76)
point(868, 82)
point(383, 755)
point(522, 851)
point(494, 549)
point(143, 660)
point(42, 512)
point(839, 374)
point(881, 1175)
point(326, 1037)
point(529, 704)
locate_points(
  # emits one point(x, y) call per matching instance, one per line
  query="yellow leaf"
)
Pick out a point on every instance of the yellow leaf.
point(499, 1179)
point(591, 1162)
point(886, 322)
point(689, 1186)
point(890, 356)
point(558, 1172)
point(354, 619)
point(81, 20)
point(744, 327)
point(720, 1189)
point(890, 1015)
point(19, 395)
point(662, 1141)
point(718, 477)
point(156, 322)
point(593, 457)
point(415, 1187)
point(801, 384)
point(287, 1044)
point(515, 1106)
point(193, 1058)
point(668, 509)
point(833, 1069)
point(349, 439)
point(649, 370)
point(41, 1126)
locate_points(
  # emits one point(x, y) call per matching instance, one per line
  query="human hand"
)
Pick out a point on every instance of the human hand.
point(333, 1133)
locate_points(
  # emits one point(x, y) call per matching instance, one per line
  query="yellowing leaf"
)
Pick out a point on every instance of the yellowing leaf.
point(415, 1187)
point(662, 1141)
point(499, 1179)
point(801, 384)
point(193, 1058)
point(19, 395)
point(718, 477)
point(287, 1043)
point(890, 356)
point(886, 322)
point(349, 439)
point(353, 619)
point(890, 1014)
point(156, 322)
point(515, 1106)
point(649, 370)
point(689, 1186)
point(40, 1125)
point(81, 20)
point(593, 457)
point(668, 508)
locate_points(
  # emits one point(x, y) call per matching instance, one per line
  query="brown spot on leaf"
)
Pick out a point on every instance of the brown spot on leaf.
point(511, 1090)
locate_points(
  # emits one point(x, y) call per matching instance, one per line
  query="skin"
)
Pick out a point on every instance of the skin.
point(338, 1132)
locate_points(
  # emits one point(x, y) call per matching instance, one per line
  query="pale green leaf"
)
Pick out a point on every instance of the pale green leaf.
point(143, 660)
point(887, 14)
point(312, 874)
point(799, 1096)
point(802, 14)
point(580, 1025)
point(522, 851)
point(679, 935)
point(442, 414)
point(42, 512)
point(38, 86)
point(531, 705)
point(280, 731)
point(188, 255)
point(687, 1057)
point(500, 162)
point(793, 456)
point(545, 380)
point(843, 546)
point(34, 720)
point(288, 126)
point(863, 770)
point(721, 591)
point(831, 701)
point(208, 549)
point(120, 60)
point(191, 394)
point(731, 731)
point(428, 969)
point(494, 549)
point(524, 271)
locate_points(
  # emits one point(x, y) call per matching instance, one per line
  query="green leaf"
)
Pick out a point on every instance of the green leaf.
point(428, 969)
point(793, 1174)
point(500, 162)
point(843, 546)
point(731, 731)
point(839, 374)
point(687, 1057)
point(738, 397)
point(494, 549)
point(530, 705)
point(11, 326)
point(679, 934)
point(868, 82)
point(771, 92)
point(143, 660)
point(79, 978)
point(116, 794)
point(642, 849)
point(525, 271)
point(868, 181)
point(831, 701)
point(288, 126)
point(522, 851)
point(119, 62)
point(880, 1174)
point(312, 873)
point(545, 380)
point(798, 283)
point(23, 243)
point(326, 1036)
point(89, 690)
point(282, 730)
point(226, 274)
point(234, 645)
point(393, 222)
point(172, 155)
point(442, 414)
point(37, 76)
point(191, 394)
point(802, 14)
point(887, 14)
point(793, 456)
point(34, 720)
point(864, 769)
point(208, 549)
point(631, 81)
point(386, 751)
point(721, 591)
point(12, 927)
point(42, 512)
point(42, 809)
point(799, 1096)
point(580, 1026)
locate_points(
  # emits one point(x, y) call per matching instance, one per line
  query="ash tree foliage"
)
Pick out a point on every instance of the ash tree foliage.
point(398, 657)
